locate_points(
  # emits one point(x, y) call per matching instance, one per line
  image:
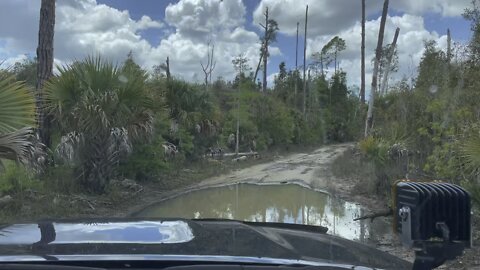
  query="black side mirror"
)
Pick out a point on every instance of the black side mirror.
point(434, 219)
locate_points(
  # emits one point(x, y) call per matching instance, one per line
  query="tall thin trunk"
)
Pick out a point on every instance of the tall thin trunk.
point(238, 126)
point(321, 65)
point(44, 65)
point(304, 66)
point(362, 85)
point(391, 52)
point(168, 69)
point(265, 54)
point(335, 62)
point(378, 55)
point(296, 70)
point(258, 67)
point(449, 46)
point(309, 91)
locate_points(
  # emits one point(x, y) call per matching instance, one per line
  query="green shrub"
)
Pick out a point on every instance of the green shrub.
point(15, 178)
point(375, 150)
point(474, 190)
point(147, 162)
point(61, 178)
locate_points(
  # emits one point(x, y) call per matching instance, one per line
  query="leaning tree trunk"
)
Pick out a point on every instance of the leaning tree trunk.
point(362, 85)
point(391, 52)
point(378, 55)
point(44, 65)
point(258, 66)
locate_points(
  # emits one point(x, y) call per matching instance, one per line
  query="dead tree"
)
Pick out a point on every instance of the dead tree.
point(304, 66)
point(296, 70)
point(270, 28)
point(167, 69)
point(362, 85)
point(265, 53)
point(378, 55)
point(210, 66)
point(258, 66)
point(44, 65)
point(449, 46)
point(391, 52)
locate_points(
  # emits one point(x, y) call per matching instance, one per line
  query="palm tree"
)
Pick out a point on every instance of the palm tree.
point(100, 110)
point(17, 119)
point(189, 106)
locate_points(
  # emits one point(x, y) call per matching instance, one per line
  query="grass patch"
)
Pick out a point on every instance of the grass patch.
point(15, 178)
point(351, 165)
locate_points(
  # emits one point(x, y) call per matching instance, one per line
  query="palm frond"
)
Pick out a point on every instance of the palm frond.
point(18, 145)
point(471, 152)
point(68, 148)
point(141, 126)
point(17, 105)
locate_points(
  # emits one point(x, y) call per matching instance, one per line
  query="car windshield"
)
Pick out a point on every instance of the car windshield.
point(300, 112)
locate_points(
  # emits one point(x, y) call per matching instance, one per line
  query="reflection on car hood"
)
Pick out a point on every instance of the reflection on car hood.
point(152, 239)
point(140, 232)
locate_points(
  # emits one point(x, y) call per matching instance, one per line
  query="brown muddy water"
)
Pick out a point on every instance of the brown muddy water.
point(286, 203)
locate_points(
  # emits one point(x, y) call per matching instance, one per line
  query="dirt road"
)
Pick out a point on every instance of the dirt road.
point(310, 169)
point(314, 169)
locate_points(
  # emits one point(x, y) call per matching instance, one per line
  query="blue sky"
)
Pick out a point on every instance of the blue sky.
point(154, 29)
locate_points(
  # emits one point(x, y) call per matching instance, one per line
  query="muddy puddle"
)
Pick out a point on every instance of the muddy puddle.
point(287, 203)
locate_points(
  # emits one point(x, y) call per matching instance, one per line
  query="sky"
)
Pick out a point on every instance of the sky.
point(181, 30)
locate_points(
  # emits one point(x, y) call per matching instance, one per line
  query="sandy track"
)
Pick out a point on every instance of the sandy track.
point(312, 169)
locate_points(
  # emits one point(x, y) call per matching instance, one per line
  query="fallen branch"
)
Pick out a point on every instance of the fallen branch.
point(372, 216)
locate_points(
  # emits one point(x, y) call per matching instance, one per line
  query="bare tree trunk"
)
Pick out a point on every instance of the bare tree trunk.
point(265, 54)
point(389, 62)
point(258, 67)
point(335, 60)
point(168, 69)
point(44, 65)
point(238, 127)
point(378, 55)
point(296, 71)
point(449, 46)
point(362, 85)
point(209, 66)
point(304, 66)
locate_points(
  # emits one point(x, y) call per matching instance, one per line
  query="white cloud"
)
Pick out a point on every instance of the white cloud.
point(447, 8)
point(410, 45)
point(84, 27)
point(271, 78)
point(203, 18)
point(328, 17)
point(198, 22)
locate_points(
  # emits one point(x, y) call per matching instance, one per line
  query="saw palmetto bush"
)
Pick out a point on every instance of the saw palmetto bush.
point(100, 110)
point(17, 119)
point(470, 152)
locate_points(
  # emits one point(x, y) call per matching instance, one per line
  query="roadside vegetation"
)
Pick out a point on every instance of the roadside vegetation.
point(428, 128)
point(107, 130)
point(117, 128)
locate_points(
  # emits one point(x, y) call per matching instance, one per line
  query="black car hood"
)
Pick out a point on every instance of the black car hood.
point(150, 239)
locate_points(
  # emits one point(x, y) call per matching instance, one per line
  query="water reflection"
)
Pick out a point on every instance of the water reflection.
point(272, 203)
